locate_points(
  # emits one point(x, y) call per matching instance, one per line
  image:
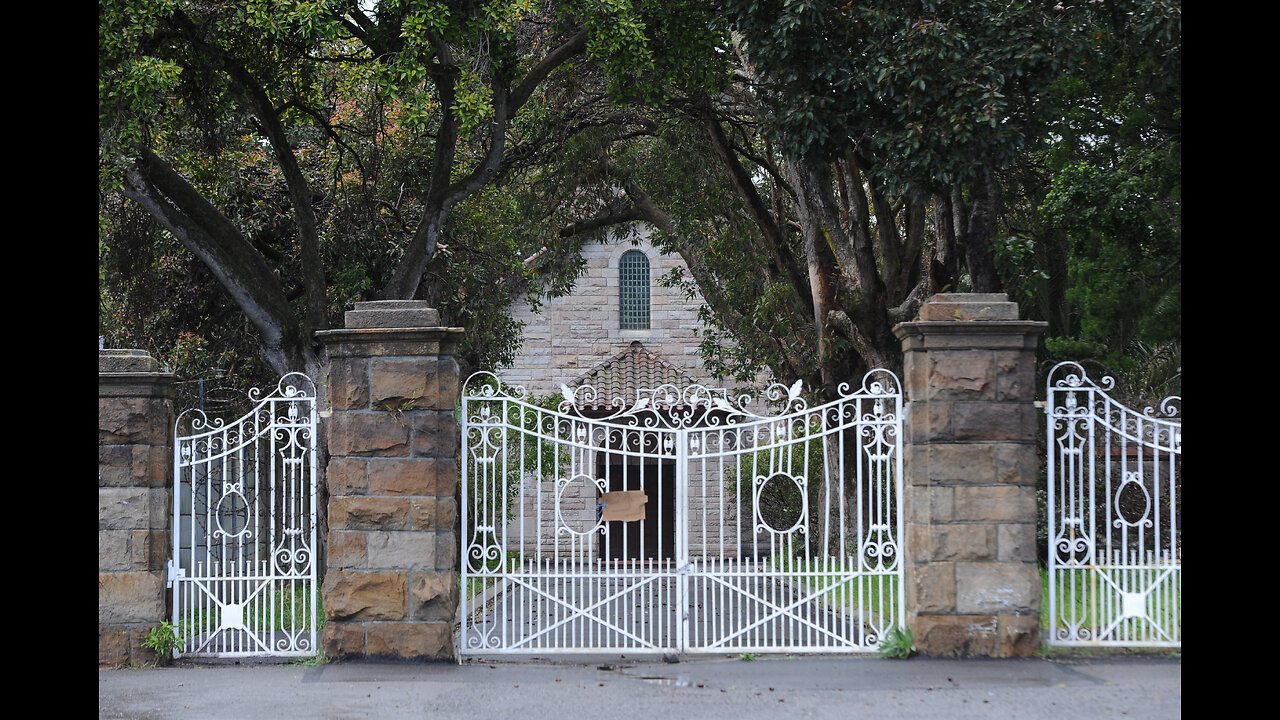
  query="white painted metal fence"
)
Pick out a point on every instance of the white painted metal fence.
point(770, 532)
point(244, 504)
point(1115, 542)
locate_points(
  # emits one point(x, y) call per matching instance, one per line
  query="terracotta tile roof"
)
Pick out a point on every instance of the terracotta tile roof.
point(620, 375)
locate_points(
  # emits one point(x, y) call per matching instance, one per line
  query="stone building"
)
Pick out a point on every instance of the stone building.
point(616, 301)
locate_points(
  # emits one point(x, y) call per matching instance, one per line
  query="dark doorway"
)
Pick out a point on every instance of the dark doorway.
point(655, 536)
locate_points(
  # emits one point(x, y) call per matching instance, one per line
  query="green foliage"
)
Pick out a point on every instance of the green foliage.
point(746, 657)
point(940, 89)
point(163, 640)
point(899, 644)
point(384, 110)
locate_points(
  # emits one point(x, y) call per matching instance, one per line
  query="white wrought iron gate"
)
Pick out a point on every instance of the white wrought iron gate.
point(243, 571)
point(771, 532)
point(1115, 537)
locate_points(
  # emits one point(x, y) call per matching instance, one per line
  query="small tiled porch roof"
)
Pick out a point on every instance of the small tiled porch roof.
point(620, 375)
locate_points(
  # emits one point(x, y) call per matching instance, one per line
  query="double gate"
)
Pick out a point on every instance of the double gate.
point(683, 521)
point(243, 572)
point(1115, 542)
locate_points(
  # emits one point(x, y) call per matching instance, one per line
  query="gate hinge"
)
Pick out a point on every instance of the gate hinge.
point(173, 572)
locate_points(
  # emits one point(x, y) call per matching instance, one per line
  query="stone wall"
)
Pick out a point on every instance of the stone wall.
point(135, 455)
point(972, 586)
point(391, 588)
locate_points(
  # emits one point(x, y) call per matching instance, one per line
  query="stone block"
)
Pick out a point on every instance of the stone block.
point(447, 372)
point(919, 542)
point(929, 504)
point(369, 513)
point(412, 550)
point(343, 639)
point(997, 588)
point(113, 645)
point(156, 463)
point(348, 383)
point(130, 597)
point(1015, 375)
point(915, 375)
point(915, 465)
point(446, 551)
point(434, 596)
point(160, 508)
point(403, 383)
point(956, 464)
point(134, 466)
point(425, 516)
point(996, 503)
point(126, 360)
point(366, 595)
point(1017, 464)
point(435, 434)
point(1017, 542)
point(1019, 635)
point(160, 547)
point(123, 508)
point(115, 466)
point(347, 550)
point(961, 375)
point(968, 307)
point(954, 636)
point(113, 551)
point(392, 314)
point(371, 434)
point(402, 476)
point(140, 555)
point(447, 514)
point(959, 542)
point(348, 476)
point(133, 421)
point(411, 640)
point(994, 421)
point(931, 588)
point(934, 424)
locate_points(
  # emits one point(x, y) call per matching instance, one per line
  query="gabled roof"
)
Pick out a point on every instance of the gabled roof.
point(620, 375)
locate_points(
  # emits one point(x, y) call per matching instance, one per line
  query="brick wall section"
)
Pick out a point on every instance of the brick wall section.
point(135, 456)
point(391, 587)
point(972, 586)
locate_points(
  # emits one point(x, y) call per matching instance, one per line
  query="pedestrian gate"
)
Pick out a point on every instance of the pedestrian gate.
point(680, 520)
point(243, 570)
point(1115, 536)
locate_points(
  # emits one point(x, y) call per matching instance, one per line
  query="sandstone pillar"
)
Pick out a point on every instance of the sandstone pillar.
point(391, 588)
point(971, 468)
point(135, 505)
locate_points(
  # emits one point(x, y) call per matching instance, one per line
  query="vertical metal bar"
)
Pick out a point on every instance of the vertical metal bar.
point(682, 536)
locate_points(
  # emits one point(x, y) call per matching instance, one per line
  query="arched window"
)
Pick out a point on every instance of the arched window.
point(633, 273)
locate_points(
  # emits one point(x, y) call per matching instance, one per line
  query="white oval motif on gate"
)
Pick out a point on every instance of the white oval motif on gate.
point(576, 498)
point(781, 489)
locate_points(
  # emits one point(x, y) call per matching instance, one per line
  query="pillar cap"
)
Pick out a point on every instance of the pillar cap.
point(126, 360)
point(392, 314)
point(968, 307)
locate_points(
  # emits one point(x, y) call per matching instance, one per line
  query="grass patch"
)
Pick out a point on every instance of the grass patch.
point(874, 593)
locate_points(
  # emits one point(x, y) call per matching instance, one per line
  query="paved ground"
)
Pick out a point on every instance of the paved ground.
point(621, 687)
